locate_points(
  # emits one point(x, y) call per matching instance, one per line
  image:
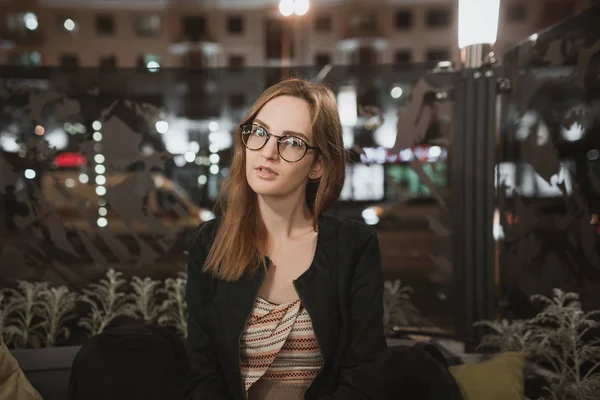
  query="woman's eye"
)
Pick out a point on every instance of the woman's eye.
point(260, 131)
point(295, 142)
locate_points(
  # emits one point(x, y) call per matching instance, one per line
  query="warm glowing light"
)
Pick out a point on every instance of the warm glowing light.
point(477, 22)
point(301, 7)
point(286, 7)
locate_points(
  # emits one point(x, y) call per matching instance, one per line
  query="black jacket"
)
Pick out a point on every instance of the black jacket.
point(342, 291)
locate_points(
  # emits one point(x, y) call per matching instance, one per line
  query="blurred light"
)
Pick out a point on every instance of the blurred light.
point(286, 7)
point(369, 213)
point(406, 155)
point(159, 181)
point(101, 202)
point(206, 215)
point(593, 155)
point(347, 105)
point(214, 169)
point(574, 133)
point(100, 179)
point(533, 37)
point(102, 222)
point(179, 161)
point(213, 126)
point(100, 169)
point(100, 190)
point(147, 150)
point(153, 66)
point(477, 22)
point(213, 148)
point(202, 179)
point(97, 125)
point(194, 147)
point(80, 128)
point(57, 139)
point(434, 151)
point(213, 137)
point(9, 143)
point(29, 173)
point(190, 156)
point(99, 158)
point(199, 160)
point(31, 21)
point(83, 178)
point(301, 7)
point(397, 92)
point(214, 158)
point(39, 130)
point(69, 24)
point(162, 126)
point(97, 136)
point(372, 221)
point(69, 182)
point(102, 211)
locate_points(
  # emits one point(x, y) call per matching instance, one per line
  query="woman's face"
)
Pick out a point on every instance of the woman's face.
point(269, 174)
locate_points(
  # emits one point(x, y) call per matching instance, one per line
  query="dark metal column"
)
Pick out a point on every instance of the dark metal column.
point(473, 160)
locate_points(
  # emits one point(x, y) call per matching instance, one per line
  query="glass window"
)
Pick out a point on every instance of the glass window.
point(69, 60)
point(323, 23)
point(403, 56)
point(237, 61)
point(438, 17)
point(235, 25)
point(194, 27)
point(404, 19)
point(148, 25)
point(322, 59)
point(516, 12)
point(105, 24)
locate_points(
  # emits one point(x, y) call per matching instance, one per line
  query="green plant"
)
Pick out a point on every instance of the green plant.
point(398, 310)
point(56, 309)
point(174, 307)
point(508, 335)
point(107, 302)
point(22, 306)
point(146, 298)
point(557, 336)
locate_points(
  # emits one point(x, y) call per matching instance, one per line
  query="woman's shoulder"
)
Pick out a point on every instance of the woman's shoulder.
point(349, 227)
point(205, 233)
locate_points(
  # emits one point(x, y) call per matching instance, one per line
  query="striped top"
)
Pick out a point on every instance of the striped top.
point(279, 345)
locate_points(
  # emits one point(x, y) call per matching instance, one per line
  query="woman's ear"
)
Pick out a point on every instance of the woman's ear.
point(316, 172)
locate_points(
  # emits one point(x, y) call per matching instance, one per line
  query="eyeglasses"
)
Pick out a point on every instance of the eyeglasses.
point(290, 148)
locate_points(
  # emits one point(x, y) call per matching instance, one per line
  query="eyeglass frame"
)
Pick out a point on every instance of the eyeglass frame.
point(279, 139)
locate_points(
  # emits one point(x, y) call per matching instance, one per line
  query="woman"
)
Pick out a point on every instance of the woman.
point(284, 302)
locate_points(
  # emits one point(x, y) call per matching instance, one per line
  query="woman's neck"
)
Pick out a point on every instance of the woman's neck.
point(285, 218)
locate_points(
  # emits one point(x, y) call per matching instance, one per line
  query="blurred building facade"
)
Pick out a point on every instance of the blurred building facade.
point(249, 33)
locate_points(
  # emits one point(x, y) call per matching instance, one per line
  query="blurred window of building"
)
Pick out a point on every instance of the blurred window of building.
point(105, 25)
point(148, 25)
point(438, 17)
point(323, 23)
point(235, 25)
point(404, 20)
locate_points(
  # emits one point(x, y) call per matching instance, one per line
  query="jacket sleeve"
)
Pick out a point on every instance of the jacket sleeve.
point(206, 380)
point(361, 374)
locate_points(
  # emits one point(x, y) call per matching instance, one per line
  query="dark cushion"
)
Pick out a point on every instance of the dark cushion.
point(420, 372)
point(130, 362)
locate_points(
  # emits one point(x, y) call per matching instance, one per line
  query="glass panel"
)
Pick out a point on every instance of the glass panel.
point(115, 169)
point(548, 174)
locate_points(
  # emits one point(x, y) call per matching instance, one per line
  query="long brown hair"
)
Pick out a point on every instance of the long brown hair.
point(240, 243)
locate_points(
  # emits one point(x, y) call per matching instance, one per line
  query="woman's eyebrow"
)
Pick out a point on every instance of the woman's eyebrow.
point(293, 133)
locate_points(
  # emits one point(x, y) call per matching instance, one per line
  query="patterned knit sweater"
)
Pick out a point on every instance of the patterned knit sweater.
point(279, 344)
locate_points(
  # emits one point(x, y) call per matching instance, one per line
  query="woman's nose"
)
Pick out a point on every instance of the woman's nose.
point(269, 150)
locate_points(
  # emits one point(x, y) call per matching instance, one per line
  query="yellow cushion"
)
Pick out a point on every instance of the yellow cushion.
point(499, 378)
